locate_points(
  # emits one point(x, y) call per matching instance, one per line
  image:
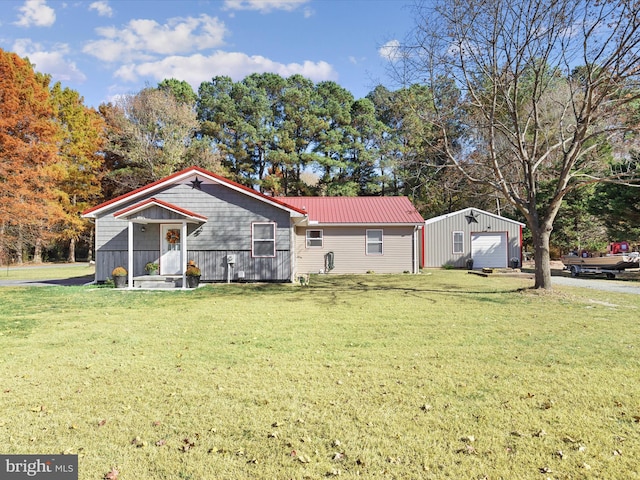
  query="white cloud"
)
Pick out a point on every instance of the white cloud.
point(141, 39)
point(102, 7)
point(265, 6)
point(391, 51)
point(52, 62)
point(198, 68)
point(36, 12)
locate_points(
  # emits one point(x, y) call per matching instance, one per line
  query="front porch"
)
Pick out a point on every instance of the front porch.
point(170, 229)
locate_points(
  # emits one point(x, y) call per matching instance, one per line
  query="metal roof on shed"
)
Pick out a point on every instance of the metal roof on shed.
point(357, 210)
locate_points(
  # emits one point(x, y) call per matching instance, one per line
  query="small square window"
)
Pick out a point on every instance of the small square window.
point(314, 238)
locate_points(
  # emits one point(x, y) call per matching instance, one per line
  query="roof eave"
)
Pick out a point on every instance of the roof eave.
point(178, 176)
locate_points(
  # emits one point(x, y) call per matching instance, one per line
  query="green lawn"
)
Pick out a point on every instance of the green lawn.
point(440, 375)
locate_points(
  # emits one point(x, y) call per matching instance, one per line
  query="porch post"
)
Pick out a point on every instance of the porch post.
point(183, 239)
point(130, 255)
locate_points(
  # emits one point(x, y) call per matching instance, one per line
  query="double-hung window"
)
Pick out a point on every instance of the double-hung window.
point(374, 242)
point(314, 238)
point(458, 243)
point(263, 239)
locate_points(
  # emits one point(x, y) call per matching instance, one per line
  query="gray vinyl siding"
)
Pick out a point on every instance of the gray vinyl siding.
point(438, 237)
point(230, 215)
point(349, 247)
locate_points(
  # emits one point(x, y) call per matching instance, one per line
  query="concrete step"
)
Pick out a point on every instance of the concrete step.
point(157, 282)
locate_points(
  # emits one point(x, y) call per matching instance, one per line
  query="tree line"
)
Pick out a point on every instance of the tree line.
point(281, 136)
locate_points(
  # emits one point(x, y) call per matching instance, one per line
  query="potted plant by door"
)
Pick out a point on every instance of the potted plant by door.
point(152, 268)
point(119, 275)
point(193, 276)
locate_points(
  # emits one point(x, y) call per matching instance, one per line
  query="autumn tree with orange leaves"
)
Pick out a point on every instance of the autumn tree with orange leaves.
point(80, 166)
point(29, 139)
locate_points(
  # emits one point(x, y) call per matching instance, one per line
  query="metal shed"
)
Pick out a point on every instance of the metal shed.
point(488, 239)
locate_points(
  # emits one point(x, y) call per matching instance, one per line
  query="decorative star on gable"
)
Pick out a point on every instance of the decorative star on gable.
point(196, 183)
point(471, 218)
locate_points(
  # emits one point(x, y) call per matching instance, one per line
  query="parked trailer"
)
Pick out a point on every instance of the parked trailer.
point(609, 264)
point(576, 270)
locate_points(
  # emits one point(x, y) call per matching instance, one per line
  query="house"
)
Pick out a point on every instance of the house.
point(488, 239)
point(233, 232)
point(357, 235)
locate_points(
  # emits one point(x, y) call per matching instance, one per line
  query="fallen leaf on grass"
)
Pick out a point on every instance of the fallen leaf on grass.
point(102, 422)
point(138, 442)
point(186, 445)
point(547, 405)
point(112, 474)
point(468, 450)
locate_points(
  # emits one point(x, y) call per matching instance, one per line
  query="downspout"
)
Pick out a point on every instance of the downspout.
point(130, 255)
point(424, 239)
point(292, 250)
point(415, 250)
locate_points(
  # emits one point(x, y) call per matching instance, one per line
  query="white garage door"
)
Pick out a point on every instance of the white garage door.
point(489, 250)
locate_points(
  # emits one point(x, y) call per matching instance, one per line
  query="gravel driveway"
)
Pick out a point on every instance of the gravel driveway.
point(596, 283)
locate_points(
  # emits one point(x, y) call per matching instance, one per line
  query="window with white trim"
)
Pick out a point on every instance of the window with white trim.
point(458, 243)
point(263, 239)
point(314, 238)
point(374, 242)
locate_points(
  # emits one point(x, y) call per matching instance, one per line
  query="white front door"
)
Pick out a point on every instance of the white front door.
point(171, 257)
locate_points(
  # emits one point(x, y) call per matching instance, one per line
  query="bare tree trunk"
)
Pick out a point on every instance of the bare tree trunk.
point(37, 251)
point(19, 249)
point(90, 251)
point(542, 257)
point(71, 257)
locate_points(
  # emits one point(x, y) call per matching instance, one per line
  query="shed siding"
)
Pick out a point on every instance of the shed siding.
point(438, 237)
point(349, 247)
point(230, 215)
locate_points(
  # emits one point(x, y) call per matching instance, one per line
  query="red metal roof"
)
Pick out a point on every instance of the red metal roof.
point(357, 210)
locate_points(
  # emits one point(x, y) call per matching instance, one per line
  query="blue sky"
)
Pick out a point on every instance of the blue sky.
point(106, 48)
